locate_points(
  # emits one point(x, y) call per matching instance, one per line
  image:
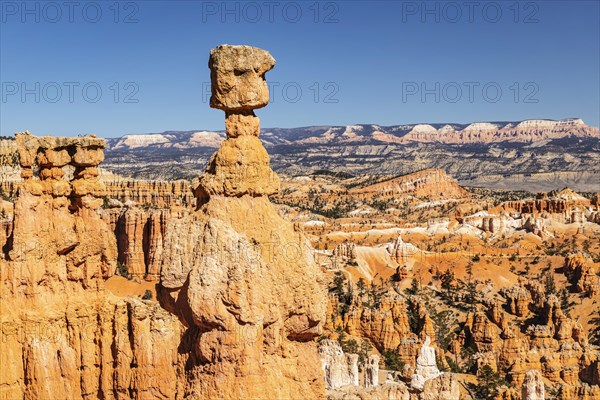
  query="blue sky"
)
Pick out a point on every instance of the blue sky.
point(141, 66)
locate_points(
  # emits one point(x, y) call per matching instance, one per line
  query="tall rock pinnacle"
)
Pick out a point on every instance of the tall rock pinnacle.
point(241, 166)
point(241, 278)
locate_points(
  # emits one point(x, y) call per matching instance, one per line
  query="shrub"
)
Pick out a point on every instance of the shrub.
point(122, 270)
point(147, 295)
point(392, 361)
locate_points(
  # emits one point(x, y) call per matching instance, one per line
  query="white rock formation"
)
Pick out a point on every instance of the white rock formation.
point(533, 386)
point(340, 369)
point(372, 371)
point(443, 387)
point(426, 366)
point(401, 251)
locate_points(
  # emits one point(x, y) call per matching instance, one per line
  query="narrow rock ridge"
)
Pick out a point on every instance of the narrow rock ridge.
point(242, 279)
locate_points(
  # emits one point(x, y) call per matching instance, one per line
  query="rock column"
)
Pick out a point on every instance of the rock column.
point(241, 166)
point(239, 276)
point(372, 371)
point(533, 386)
point(426, 366)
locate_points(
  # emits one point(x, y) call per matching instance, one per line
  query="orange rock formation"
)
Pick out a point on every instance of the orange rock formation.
point(240, 277)
point(63, 335)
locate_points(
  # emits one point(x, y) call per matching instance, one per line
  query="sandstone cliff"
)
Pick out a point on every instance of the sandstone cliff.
point(63, 335)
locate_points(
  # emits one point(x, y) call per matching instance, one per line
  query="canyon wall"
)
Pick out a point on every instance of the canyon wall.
point(63, 335)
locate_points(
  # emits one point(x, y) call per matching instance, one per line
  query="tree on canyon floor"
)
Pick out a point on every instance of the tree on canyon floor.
point(488, 383)
point(122, 270)
point(392, 360)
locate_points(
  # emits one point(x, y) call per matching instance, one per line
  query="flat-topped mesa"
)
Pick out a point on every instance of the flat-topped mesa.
point(241, 166)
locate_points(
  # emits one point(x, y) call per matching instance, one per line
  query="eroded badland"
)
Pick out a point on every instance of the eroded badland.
point(243, 284)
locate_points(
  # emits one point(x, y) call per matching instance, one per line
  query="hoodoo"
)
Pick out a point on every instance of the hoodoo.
point(63, 335)
point(241, 278)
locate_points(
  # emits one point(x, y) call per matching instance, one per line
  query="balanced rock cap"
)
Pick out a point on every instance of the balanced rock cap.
point(238, 77)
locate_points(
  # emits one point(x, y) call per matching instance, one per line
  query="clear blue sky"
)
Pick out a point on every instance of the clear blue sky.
point(373, 58)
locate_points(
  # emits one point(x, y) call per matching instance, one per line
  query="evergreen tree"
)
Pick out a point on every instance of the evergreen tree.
point(549, 283)
point(488, 383)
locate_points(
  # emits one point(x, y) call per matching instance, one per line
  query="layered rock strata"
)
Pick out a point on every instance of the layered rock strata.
point(157, 194)
point(63, 335)
point(240, 277)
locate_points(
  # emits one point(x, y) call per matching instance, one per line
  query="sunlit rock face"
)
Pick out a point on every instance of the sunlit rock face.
point(237, 75)
point(426, 366)
point(240, 277)
point(63, 335)
point(58, 240)
point(340, 369)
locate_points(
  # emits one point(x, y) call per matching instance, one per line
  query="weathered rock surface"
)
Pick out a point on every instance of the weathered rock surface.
point(345, 250)
point(57, 237)
point(340, 369)
point(63, 335)
point(372, 371)
point(157, 194)
point(518, 300)
point(581, 273)
point(387, 391)
point(557, 347)
point(238, 275)
point(442, 387)
point(533, 387)
point(237, 75)
point(426, 366)
point(386, 325)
